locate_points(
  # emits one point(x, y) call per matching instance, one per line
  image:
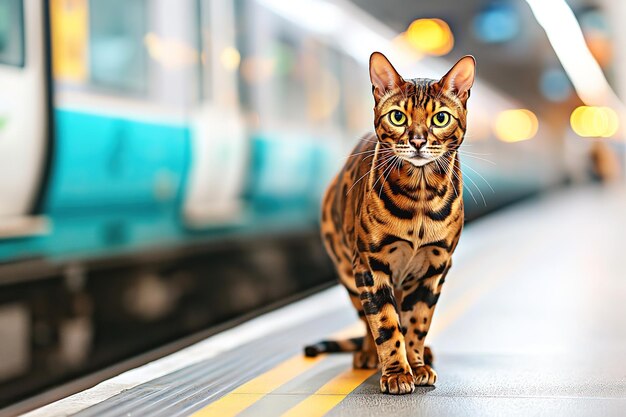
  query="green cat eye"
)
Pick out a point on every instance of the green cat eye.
point(441, 119)
point(397, 118)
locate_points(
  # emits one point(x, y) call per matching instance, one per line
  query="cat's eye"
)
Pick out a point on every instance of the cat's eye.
point(397, 118)
point(441, 119)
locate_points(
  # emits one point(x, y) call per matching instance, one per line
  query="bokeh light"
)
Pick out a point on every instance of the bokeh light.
point(516, 125)
point(555, 85)
point(597, 35)
point(230, 58)
point(256, 69)
point(592, 121)
point(170, 53)
point(430, 36)
point(497, 23)
point(407, 52)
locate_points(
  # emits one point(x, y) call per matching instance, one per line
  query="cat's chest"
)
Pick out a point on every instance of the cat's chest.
point(422, 243)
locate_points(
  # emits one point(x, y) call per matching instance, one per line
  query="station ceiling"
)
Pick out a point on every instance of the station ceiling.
point(514, 67)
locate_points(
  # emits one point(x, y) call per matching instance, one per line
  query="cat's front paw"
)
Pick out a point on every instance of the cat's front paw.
point(364, 359)
point(424, 375)
point(397, 383)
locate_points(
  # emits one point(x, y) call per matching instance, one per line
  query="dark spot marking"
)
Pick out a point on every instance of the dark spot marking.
point(373, 302)
point(421, 293)
point(432, 271)
point(444, 212)
point(413, 320)
point(365, 228)
point(393, 208)
point(420, 335)
point(384, 334)
point(380, 266)
point(360, 244)
point(440, 244)
point(364, 279)
point(398, 344)
point(397, 189)
point(389, 240)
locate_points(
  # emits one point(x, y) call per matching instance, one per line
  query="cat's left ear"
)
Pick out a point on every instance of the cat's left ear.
point(460, 78)
point(383, 75)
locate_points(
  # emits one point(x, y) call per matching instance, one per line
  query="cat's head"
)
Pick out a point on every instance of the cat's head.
point(420, 119)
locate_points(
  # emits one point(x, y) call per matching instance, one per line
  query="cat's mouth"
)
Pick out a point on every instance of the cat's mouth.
point(416, 158)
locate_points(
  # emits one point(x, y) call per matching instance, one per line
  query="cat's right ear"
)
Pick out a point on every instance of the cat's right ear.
point(383, 75)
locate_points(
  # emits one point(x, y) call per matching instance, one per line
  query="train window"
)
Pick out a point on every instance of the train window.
point(12, 33)
point(117, 56)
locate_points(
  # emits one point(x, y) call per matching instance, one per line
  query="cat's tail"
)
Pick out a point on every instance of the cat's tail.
point(333, 346)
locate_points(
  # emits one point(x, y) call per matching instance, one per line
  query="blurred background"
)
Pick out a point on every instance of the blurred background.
point(162, 161)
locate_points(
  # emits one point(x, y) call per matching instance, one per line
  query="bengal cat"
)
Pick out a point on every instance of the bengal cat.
point(392, 218)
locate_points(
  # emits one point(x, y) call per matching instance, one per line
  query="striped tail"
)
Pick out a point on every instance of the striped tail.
point(334, 346)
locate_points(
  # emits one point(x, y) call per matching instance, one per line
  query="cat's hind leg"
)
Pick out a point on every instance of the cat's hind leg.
point(367, 356)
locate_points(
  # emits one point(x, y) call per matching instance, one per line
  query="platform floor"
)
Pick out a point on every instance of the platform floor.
point(531, 322)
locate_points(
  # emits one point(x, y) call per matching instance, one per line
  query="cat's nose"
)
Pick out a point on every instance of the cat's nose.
point(418, 142)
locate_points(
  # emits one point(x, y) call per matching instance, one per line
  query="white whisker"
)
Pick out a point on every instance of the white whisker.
point(483, 178)
point(383, 173)
point(369, 151)
point(382, 185)
point(387, 158)
point(479, 158)
point(477, 189)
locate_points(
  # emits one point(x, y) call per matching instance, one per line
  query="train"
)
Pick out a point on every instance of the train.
point(171, 119)
point(171, 147)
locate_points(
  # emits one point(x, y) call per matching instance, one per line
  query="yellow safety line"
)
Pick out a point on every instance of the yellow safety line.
point(330, 394)
point(338, 388)
point(335, 390)
point(247, 394)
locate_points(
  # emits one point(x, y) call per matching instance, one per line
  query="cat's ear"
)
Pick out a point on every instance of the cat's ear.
point(383, 75)
point(460, 78)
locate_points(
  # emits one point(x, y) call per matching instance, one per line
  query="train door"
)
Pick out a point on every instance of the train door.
point(24, 124)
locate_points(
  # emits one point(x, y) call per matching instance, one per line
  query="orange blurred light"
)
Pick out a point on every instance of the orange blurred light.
point(430, 36)
point(407, 53)
point(593, 122)
point(516, 125)
point(230, 58)
point(256, 70)
point(600, 47)
point(170, 53)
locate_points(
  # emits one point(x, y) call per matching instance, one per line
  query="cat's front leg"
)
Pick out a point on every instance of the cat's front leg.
point(381, 311)
point(417, 308)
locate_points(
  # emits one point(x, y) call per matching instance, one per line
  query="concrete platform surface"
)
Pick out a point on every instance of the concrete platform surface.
point(531, 322)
